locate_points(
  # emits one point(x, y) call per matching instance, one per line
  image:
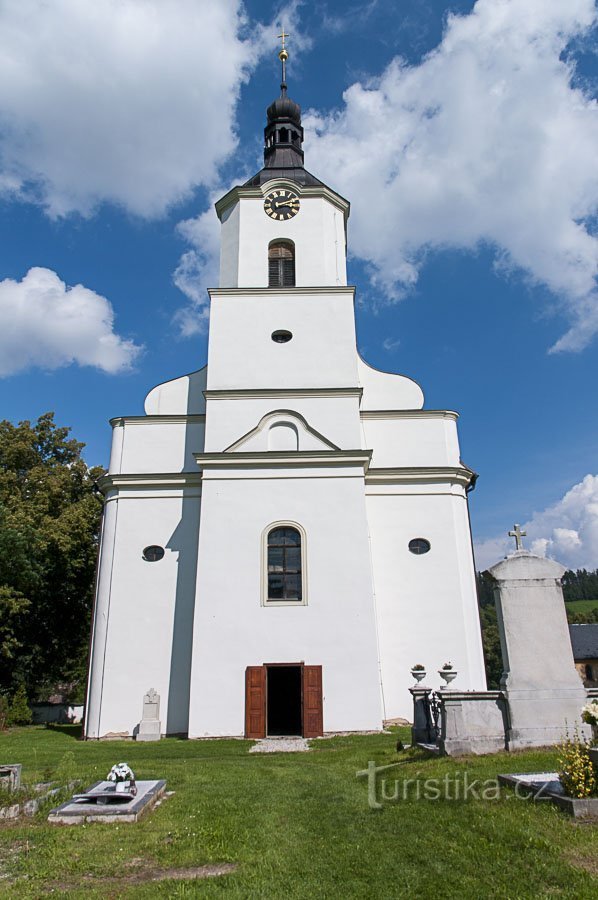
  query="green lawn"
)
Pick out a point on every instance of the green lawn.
point(581, 606)
point(295, 826)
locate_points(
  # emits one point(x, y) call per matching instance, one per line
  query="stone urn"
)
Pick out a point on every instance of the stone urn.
point(418, 675)
point(448, 675)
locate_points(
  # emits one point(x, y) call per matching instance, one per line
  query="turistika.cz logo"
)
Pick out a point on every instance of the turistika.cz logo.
point(460, 786)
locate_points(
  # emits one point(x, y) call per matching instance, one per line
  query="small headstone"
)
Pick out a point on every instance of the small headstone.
point(10, 776)
point(149, 727)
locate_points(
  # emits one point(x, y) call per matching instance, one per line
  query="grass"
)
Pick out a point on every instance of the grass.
point(581, 606)
point(294, 826)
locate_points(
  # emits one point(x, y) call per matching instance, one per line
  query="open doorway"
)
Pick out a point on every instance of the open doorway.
point(283, 698)
point(284, 713)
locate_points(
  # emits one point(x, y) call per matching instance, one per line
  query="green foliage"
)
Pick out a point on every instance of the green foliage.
point(580, 585)
point(582, 612)
point(19, 712)
point(490, 633)
point(49, 525)
point(576, 769)
point(3, 713)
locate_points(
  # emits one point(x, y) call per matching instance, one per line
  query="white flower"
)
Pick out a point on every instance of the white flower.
point(589, 713)
point(121, 772)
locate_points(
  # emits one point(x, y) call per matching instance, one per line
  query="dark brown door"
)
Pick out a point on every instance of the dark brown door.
point(313, 725)
point(255, 702)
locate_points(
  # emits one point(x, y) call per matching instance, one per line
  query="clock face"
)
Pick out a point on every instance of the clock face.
point(281, 204)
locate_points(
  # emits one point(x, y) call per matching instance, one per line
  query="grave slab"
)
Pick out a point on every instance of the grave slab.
point(91, 806)
point(546, 786)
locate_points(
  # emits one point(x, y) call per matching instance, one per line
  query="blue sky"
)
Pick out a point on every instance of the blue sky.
point(464, 135)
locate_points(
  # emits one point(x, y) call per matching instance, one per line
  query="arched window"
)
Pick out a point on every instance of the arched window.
point(281, 264)
point(588, 669)
point(284, 565)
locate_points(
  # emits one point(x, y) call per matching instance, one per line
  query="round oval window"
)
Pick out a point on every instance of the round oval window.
point(153, 553)
point(419, 546)
point(281, 337)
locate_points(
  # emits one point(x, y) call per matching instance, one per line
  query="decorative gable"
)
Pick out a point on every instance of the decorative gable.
point(281, 430)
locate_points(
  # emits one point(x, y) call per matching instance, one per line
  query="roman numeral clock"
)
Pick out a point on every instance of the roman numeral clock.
point(281, 204)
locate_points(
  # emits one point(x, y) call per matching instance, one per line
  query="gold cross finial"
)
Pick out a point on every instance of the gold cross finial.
point(284, 53)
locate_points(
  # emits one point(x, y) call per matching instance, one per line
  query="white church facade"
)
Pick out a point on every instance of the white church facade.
point(286, 530)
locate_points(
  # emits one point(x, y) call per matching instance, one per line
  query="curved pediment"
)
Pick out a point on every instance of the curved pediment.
point(281, 430)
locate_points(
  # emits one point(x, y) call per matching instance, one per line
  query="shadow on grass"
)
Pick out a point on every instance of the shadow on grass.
point(73, 731)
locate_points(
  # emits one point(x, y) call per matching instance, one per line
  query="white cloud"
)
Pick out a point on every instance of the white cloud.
point(486, 141)
point(390, 344)
point(126, 101)
point(198, 269)
point(45, 323)
point(566, 531)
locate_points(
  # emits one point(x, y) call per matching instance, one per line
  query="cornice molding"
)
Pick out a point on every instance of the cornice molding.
point(418, 474)
point(270, 393)
point(259, 192)
point(163, 480)
point(409, 414)
point(305, 290)
point(191, 419)
point(287, 459)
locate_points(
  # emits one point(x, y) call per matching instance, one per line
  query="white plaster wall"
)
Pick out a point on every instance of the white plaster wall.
point(154, 445)
point(321, 353)
point(387, 390)
point(336, 628)
point(149, 613)
point(317, 232)
point(418, 440)
point(229, 247)
point(336, 418)
point(427, 604)
point(179, 396)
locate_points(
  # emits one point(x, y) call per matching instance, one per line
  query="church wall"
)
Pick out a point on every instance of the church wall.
point(318, 234)
point(229, 247)
point(181, 396)
point(145, 610)
point(153, 445)
point(426, 604)
point(413, 440)
point(321, 353)
point(336, 629)
point(336, 418)
point(387, 390)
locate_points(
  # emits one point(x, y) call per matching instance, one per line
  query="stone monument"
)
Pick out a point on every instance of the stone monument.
point(540, 683)
point(149, 727)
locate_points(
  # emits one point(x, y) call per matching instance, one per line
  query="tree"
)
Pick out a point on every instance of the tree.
point(49, 530)
point(489, 625)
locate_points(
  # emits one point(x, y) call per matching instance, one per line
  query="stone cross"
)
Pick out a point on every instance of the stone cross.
point(517, 533)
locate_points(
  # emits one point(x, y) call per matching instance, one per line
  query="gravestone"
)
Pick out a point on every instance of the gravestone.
point(10, 776)
point(149, 727)
point(540, 682)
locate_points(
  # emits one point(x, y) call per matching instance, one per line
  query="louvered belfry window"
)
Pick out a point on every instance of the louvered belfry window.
point(281, 264)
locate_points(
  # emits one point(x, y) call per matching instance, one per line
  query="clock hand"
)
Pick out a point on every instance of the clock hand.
point(286, 203)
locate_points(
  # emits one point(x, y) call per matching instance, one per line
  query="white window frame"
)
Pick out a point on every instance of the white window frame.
point(264, 565)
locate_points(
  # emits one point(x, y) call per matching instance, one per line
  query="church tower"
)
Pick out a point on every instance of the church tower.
point(286, 530)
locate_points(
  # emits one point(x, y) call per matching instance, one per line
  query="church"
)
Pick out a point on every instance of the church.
point(286, 530)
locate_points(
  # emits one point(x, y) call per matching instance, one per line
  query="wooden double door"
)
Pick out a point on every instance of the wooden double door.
point(283, 699)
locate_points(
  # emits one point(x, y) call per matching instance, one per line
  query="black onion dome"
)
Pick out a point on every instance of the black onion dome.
point(284, 108)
